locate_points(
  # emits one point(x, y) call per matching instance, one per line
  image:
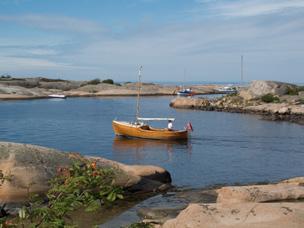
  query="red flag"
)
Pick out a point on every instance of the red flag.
point(189, 127)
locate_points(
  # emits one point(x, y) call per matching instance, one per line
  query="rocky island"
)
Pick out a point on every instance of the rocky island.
point(39, 87)
point(273, 100)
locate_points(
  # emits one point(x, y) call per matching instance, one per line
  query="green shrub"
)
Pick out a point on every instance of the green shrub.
point(81, 186)
point(292, 90)
point(108, 81)
point(300, 88)
point(52, 80)
point(95, 81)
point(269, 98)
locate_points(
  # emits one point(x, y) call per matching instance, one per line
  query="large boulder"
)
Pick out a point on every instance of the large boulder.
point(261, 193)
point(255, 206)
point(31, 167)
point(243, 215)
point(258, 89)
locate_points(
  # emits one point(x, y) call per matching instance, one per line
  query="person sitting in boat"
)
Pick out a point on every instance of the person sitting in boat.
point(170, 125)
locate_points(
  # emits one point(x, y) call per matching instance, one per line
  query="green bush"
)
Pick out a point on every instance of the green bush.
point(269, 98)
point(292, 90)
point(95, 81)
point(108, 81)
point(81, 186)
point(300, 88)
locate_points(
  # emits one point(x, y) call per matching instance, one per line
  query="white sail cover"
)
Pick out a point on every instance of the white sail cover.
point(156, 119)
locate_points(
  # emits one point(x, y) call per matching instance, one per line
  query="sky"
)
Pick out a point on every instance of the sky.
point(174, 40)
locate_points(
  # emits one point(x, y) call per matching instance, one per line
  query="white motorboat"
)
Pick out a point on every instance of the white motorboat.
point(227, 89)
point(61, 96)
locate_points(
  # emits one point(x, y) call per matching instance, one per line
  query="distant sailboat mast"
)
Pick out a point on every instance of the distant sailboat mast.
point(138, 92)
point(242, 68)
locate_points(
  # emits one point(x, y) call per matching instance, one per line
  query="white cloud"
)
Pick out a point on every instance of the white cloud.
point(43, 52)
point(245, 8)
point(208, 48)
point(8, 63)
point(53, 22)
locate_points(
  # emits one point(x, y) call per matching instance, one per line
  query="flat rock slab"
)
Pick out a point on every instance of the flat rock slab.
point(244, 215)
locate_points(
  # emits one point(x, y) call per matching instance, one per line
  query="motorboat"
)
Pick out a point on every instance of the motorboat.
point(61, 96)
point(185, 92)
point(227, 89)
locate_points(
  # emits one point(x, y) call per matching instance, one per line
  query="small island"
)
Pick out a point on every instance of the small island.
point(270, 99)
point(39, 87)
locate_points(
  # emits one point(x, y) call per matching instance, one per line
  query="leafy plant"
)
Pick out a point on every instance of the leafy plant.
point(269, 98)
point(80, 186)
point(4, 221)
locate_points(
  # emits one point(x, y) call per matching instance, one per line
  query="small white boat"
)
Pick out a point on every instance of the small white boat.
point(61, 96)
point(227, 89)
point(185, 92)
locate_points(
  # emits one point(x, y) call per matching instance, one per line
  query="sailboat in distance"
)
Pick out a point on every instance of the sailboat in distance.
point(140, 127)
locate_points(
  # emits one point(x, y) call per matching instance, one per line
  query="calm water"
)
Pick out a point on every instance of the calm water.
point(224, 148)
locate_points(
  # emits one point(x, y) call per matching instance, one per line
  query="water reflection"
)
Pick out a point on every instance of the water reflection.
point(138, 147)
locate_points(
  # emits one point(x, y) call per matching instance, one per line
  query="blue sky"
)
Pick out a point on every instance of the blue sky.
point(85, 39)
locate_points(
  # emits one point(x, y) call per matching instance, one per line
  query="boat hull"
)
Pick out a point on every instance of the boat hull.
point(138, 131)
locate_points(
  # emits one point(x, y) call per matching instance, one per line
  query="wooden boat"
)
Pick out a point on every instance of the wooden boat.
point(140, 128)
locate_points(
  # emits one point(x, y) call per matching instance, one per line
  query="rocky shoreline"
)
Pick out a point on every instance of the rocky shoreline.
point(266, 205)
point(252, 206)
point(284, 108)
point(31, 167)
point(275, 112)
point(39, 88)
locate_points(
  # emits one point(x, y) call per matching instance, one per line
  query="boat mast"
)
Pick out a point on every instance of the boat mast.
point(242, 68)
point(138, 92)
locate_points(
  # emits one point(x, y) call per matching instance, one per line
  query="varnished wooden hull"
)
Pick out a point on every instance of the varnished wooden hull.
point(146, 132)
